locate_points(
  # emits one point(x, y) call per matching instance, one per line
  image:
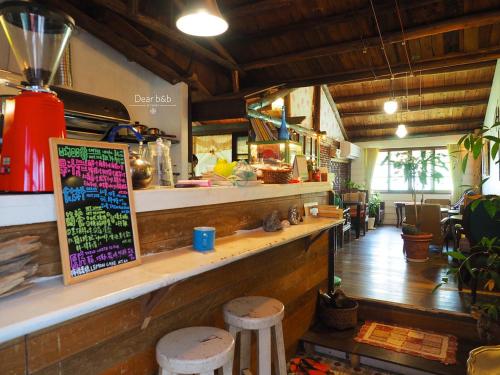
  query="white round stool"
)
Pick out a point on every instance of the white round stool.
point(195, 350)
point(263, 315)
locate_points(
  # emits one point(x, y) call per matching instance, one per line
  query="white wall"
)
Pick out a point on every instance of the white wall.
point(358, 171)
point(492, 186)
point(328, 120)
point(100, 70)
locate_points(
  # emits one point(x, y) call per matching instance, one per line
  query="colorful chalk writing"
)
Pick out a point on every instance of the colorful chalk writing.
point(97, 212)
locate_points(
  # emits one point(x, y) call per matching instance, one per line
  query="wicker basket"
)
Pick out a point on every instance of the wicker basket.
point(339, 318)
point(280, 176)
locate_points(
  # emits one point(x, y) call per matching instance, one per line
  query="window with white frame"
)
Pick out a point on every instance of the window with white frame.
point(388, 178)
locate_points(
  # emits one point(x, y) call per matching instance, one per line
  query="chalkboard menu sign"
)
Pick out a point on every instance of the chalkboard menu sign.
point(95, 208)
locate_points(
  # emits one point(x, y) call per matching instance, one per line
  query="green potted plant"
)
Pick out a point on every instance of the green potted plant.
point(482, 264)
point(415, 169)
point(353, 187)
point(373, 208)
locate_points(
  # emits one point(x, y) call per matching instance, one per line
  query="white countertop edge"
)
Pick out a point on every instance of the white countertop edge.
point(21, 209)
point(26, 301)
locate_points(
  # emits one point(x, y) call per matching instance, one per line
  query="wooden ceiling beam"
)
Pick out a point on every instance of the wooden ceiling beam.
point(159, 27)
point(267, 99)
point(223, 128)
point(443, 64)
point(354, 129)
point(147, 44)
point(412, 92)
point(451, 24)
point(325, 21)
point(219, 110)
point(256, 7)
point(132, 52)
point(416, 133)
point(378, 110)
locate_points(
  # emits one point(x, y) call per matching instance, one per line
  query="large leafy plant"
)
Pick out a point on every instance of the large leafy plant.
point(474, 143)
point(485, 273)
point(422, 169)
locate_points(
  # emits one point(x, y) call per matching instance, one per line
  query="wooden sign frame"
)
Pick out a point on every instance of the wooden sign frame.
point(61, 222)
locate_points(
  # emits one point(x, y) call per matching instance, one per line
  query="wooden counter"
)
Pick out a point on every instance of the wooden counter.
point(95, 327)
point(50, 302)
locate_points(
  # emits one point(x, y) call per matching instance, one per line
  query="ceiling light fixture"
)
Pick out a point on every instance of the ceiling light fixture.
point(202, 18)
point(278, 104)
point(390, 106)
point(401, 131)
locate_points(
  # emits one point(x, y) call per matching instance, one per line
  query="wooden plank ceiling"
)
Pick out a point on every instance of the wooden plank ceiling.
point(442, 50)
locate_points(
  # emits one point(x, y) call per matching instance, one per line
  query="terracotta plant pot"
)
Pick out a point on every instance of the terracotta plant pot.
point(416, 246)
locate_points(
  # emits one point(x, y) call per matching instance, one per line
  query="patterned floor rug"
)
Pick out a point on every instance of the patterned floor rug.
point(320, 365)
point(429, 345)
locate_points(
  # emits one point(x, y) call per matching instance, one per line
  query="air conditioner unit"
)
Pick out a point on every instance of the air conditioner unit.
point(349, 150)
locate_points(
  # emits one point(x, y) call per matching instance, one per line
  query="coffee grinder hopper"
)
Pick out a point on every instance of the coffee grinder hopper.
point(38, 37)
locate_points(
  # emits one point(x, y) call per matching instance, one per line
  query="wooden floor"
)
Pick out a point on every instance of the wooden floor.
point(374, 267)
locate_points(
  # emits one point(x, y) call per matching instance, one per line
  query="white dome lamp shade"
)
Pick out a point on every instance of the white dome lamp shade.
point(201, 18)
point(401, 131)
point(390, 106)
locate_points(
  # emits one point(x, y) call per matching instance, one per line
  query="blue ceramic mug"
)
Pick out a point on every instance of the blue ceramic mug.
point(203, 238)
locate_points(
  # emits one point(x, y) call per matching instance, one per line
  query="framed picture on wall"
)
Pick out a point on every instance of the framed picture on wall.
point(486, 159)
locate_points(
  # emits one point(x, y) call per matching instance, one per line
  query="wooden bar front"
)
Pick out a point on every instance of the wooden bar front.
point(111, 341)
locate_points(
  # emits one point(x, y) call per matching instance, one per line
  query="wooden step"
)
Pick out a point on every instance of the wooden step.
point(455, 323)
point(344, 341)
point(459, 324)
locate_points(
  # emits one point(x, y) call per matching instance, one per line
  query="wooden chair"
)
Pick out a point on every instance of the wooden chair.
point(262, 315)
point(346, 227)
point(430, 221)
point(446, 203)
point(359, 198)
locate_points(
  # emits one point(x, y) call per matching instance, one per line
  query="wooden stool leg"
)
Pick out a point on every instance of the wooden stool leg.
point(264, 351)
point(245, 350)
point(280, 363)
point(228, 368)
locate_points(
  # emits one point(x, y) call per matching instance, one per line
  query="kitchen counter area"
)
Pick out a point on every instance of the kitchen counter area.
point(18, 209)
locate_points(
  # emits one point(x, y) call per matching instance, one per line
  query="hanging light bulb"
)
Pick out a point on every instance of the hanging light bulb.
point(401, 131)
point(390, 106)
point(278, 104)
point(202, 18)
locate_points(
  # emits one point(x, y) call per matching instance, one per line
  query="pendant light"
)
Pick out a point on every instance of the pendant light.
point(201, 18)
point(401, 131)
point(278, 104)
point(391, 105)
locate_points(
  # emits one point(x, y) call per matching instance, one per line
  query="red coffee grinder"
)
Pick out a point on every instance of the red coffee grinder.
point(38, 37)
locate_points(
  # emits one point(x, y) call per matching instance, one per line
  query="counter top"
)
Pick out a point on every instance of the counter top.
point(19, 209)
point(49, 302)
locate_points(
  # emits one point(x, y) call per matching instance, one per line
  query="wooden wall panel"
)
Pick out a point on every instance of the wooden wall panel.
point(13, 357)
point(170, 229)
point(111, 342)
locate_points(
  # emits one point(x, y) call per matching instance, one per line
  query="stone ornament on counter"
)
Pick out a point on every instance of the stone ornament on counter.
point(17, 264)
point(294, 216)
point(272, 222)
